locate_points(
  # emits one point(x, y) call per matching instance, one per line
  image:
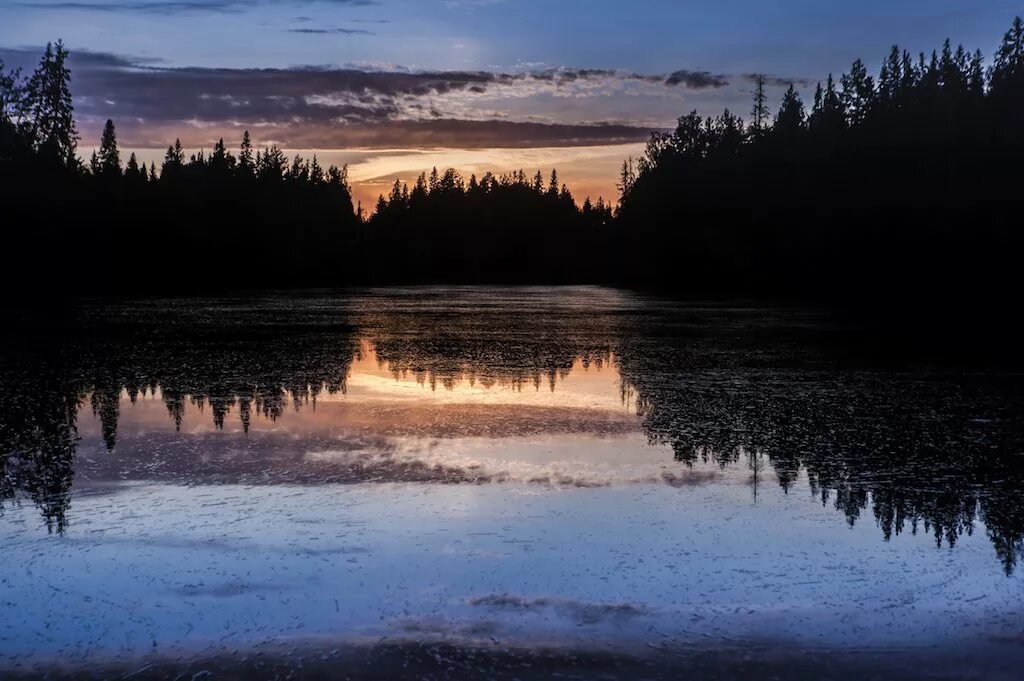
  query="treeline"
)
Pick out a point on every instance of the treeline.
point(257, 219)
point(509, 228)
point(900, 188)
point(215, 220)
point(903, 185)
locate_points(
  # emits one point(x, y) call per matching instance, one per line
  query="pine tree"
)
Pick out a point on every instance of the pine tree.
point(246, 163)
point(316, 173)
point(49, 111)
point(109, 156)
point(419, 190)
point(976, 77)
point(132, 170)
point(791, 118)
point(272, 165)
point(759, 114)
point(12, 104)
point(819, 103)
point(627, 178)
point(221, 160)
point(553, 185)
point(858, 93)
point(1006, 77)
point(890, 76)
point(174, 161)
point(827, 116)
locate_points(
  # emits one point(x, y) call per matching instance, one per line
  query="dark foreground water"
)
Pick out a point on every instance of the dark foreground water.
point(501, 483)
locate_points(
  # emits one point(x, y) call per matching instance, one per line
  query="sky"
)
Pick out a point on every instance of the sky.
point(394, 87)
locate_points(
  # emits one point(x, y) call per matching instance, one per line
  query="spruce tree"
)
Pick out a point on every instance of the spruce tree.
point(1006, 77)
point(109, 156)
point(759, 114)
point(49, 111)
point(553, 186)
point(791, 118)
point(246, 161)
point(132, 170)
point(858, 93)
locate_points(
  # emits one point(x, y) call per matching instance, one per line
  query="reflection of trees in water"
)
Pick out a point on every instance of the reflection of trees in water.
point(930, 454)
point(42, 389)
point(934, 455)
point(515, 367)
point(38, 437)
point(510, 346)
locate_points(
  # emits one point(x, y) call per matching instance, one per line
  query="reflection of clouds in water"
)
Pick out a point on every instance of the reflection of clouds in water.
point(753, 393)
point(570, 458)
point(583, 613)
point(579, 460)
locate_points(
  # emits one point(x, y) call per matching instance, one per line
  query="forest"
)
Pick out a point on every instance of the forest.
point(901, 187)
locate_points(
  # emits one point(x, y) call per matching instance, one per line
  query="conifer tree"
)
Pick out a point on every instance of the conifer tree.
point(132, 169)
point(1007, 73)
point(109, 156)
point(553, 185)
point(246, 162)
point(49, 110)
point(791, 118)
point(759, 114)
point(858, 93)
point(174, 161)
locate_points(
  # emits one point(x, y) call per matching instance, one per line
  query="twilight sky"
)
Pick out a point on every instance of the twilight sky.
point(395, 86)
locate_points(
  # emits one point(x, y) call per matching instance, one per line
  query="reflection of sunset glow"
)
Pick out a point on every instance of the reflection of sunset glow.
point(380, 397)
point(595, 386)
point(454, 419)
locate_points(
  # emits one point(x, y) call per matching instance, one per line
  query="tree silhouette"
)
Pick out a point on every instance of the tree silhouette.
point(893, 192)
point(759, 115)
point(903, 185)
point(49, 111)
point(109, 158)
point(791, 119)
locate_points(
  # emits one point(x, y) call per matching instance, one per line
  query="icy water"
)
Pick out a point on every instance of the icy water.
point(500, 483)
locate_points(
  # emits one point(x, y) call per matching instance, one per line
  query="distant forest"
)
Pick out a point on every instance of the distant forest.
point(904, 187)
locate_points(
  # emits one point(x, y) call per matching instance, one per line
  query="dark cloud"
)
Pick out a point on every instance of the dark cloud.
point(331, 31)
point(433, 133)
point(176, 6)
point(778, 81)
point(307, 106)
point(318, 106)
point(697, 80)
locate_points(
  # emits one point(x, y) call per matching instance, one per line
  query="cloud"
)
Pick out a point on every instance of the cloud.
point(167, 7)
point(778, 81)
point(330, 31)
point(698, 80)
point(302, 107)
point(371, 106)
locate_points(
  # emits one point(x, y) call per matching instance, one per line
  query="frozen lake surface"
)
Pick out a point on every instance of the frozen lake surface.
point(505, 483)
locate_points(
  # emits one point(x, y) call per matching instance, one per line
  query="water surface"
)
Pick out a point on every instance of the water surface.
point(506, 477)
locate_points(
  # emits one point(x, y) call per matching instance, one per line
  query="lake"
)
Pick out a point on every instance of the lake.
point(502, 483)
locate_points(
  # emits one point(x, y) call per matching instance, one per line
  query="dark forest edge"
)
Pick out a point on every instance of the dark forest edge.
point(901, 191)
